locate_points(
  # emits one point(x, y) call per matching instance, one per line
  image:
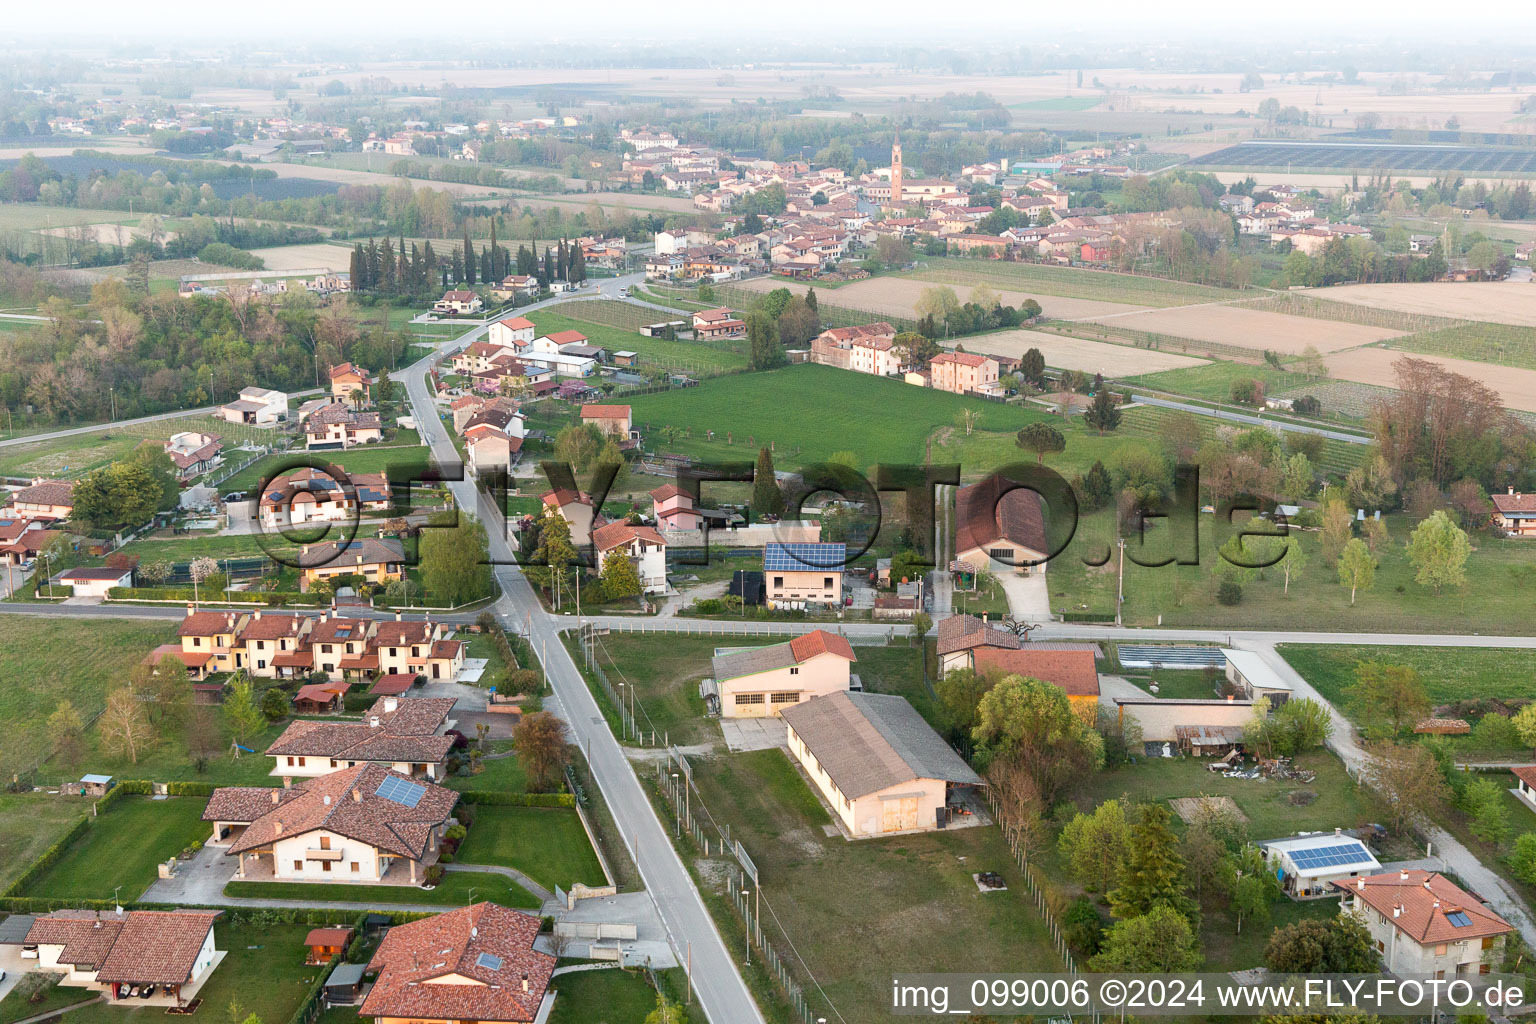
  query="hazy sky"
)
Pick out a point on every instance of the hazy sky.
point(1364, 21)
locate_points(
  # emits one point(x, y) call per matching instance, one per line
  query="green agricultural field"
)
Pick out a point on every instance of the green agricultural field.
point(1213, 381)
point(608, 312)
point(264, 974)
point(692, 357)
point(29, 824)
point(101, 865)
point(46, 660)
point(547, 844)
point(1449, 673)
point(1069, 282)
point(913, 895)
point(1503, 344)
point(1339, 457)
point(35, 217)
point(809, 412)
point(454, 890)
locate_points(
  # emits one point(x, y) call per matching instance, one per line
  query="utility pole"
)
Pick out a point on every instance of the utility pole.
point(1120, 584)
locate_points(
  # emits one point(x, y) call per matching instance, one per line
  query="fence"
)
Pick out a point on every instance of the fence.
point(724, 627)
point(685, 800)
point(1036, 892)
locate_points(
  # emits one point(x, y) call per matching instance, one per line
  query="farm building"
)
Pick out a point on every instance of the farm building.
point(1308, 865)
point(880, 767)
point(1252, 677)
point(1161, 718)
point(762, 682)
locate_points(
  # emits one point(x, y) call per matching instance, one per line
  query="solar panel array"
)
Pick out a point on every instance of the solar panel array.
point(801, 556)
point(1330, 856)
point(488, 961)
point(1458, 919)
point(401, 790)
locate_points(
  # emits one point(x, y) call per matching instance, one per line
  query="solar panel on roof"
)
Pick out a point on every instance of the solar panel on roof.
point(1458, 919)
point(401, 791)
point(803, 555)
point(1330, 856)
point(488, 961)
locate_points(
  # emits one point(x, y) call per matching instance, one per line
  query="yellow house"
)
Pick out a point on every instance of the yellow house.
point(209, 641)
point(375, 559)
point(876, 763)
point(803, 574)
point(760, 682)
point(1071, 671)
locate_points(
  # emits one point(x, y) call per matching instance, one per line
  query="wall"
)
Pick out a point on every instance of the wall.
point(1159, 717)
point(286, 851)
point(823, 674)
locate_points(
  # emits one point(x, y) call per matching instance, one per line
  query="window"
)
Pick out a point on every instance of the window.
point(1488, 942)
point(786, 698)
point(1381, 947)
point(1440, 950)
point(749, 698)
point(290, 762)
point(1001, 553)
point(301, 762)
point(354, 867)
point(826, 583)
point(794, 670)
point(325, 842)
point(778, 581)
point(298, 865)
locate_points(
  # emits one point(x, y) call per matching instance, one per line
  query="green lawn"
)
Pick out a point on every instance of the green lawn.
point(14, 1008)
point(29, 824)
point(683, 356)
point(1449, 673)
point(547, 844)
point(667, 669)
point(186, 548)
point(66, 457)
point(264, 973)
point(167, 760)
point(809, 412)
point(394, 459)
point(121, 848)
point(1072, 282)
point(454, 891)
point(46, 660)
point(503, 775)
point(611, 996)
point(912, 896)
point(1213, 381)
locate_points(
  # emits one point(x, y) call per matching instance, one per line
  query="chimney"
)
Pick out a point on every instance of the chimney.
point(357, 795)
point(391, 703)
point(277, 827)
point(397, 616)
point(304, 550)
point(257, 615)
point(192, 607)
point(1231, 697)
point(1397, 911)
point(1403, 875)
point(1338, 831)
point(1437, 904)
point(326, 800)
point(373, 722)
point(1360, 884)
point(525, 982)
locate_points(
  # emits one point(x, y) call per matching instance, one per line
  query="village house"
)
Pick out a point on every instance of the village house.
point(194, 453)
point(1001, 527)
point(22, 539)
point(347, 378)
point(458, 302)
point(672, 508)
point(480, 356)
point(475, 963)
point(377, 560)
point(515, 286)
point(804, 575)
point(208, 642)
point(868, 348)
point(1515, 513)
point(490, 449)
point(124, 954)
point(962, 373)
point(960, 637)
point(717, 323)
point(641, 545)
point(46, 500)
point(1425, 924)
point(420, 647)
point(575, 508)
point(404, 734)
point(341, 647)
point(760, 682)
point(1072, 671)
point(513, 333)
point(1307, 865)
point(875, 762)
point(94, 582)
point(256, 407)
point(502, 413)
point(334, 426)
point(354, 825)
point(612, 420)
point(306, 495)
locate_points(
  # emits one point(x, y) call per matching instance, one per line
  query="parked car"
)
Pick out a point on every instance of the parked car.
point(234, 496)
point(29, 952)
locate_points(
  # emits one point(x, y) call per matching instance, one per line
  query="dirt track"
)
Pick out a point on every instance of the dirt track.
point(1252, 328)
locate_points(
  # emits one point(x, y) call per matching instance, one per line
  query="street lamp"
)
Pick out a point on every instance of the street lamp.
point(677, 804)
point(746, 911)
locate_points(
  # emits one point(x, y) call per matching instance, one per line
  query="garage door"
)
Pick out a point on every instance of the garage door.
point(898, 814)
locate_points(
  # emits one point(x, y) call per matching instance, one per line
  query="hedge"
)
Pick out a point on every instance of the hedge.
point(312, 916)
point(1087, 617)
point(189, 788)
point(47, 858)
point(260, 597)
point(493, 798)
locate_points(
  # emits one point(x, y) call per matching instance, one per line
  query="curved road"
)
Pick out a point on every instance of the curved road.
point(1243, 417)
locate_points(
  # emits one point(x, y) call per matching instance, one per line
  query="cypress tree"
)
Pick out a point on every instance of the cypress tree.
point(355, 268)
point(469, 258)
point(1104, 413)
point(767, 499)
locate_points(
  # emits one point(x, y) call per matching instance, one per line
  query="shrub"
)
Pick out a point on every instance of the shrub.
point(1229, 593)
point(1082, 927)
point(433, 875)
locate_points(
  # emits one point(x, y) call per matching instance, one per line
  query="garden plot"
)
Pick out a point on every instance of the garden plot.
point(1516, 387)
point(1249, 328)
point(313, 256)
point(1077, 354)
point(1504, 302)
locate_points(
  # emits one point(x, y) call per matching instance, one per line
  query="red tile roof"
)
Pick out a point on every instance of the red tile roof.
point(1514, 502)
point(154, 946)
point(611, 535)
point(819, 641)
point(416, 961)
point(517, 323)
point(1072, 671)
point(604, 412)
point(328, 937)
point(962, 632)
point(392, 684)
point(1419, 903)
point(208, 624)
point(567, 338)
point(997, 509)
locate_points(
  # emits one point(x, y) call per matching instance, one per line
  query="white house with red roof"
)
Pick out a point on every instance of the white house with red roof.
point(1425, 924)
point(458, 302)
point(1515, 513)
point(613, 420)
point(169, 953)
point(471, 963)
point(642, 545)
point(760, 682)
point(513, 332)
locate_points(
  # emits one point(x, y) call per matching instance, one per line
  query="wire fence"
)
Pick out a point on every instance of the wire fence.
point(1016, 845)
point(713, 839)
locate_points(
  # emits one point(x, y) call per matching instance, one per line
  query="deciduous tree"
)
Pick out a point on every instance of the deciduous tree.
point(1032, 722)
point(1389, 698)
point(1357, 567)
point(1160, 941)
point(454, 559)
point(1095, 844)
point(125, 728)
point(540, 742)
point(1438, 550)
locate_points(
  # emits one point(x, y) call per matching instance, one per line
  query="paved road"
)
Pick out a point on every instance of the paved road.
point(1242, 417)
point(722, 993)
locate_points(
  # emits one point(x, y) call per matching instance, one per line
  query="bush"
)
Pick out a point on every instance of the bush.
point(709, 606)
point(456, 833)
point(1082, 927)
point(433, 875)
point(499, 799)
point(1229, 593)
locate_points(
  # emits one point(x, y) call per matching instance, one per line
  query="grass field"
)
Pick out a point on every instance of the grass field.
point(264, 973)
point(185, 548)
point(913, 896)
point(1146, 421)
point(29, 823)
point(1504, 344)
point(611, 996)
point(34, 216)
point(547, 844)
point(809, 412)
point(45, 660)
point(370, 459)
point(1073, 282)
point(1213, 381)
point(1449, 674)
point(67, 458)
point(103, 859)
point(453, 891)
point(666, 672)
point(14, 1008)
point(697, 357)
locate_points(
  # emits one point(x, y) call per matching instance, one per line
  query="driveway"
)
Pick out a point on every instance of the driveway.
point(1029, 597)
point(13, 966)
point(199, 880)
